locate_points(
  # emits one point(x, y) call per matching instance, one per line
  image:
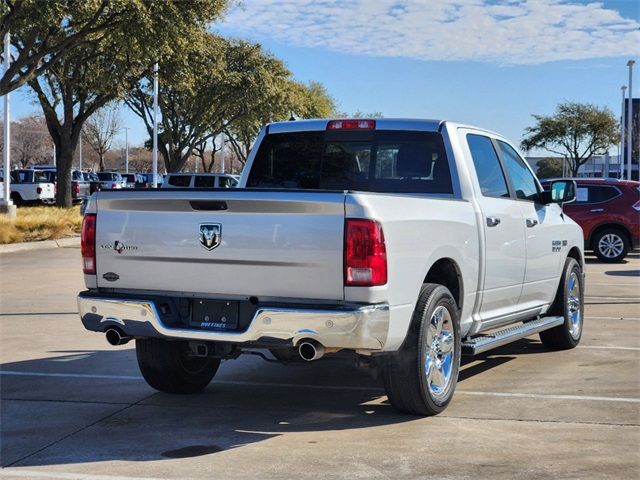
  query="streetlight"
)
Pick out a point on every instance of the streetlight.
point(154, 154)
point(223, 151)
point(6, 205)
point(622, 117)
point(126, 149)
point(80, 152)
point(629, 118)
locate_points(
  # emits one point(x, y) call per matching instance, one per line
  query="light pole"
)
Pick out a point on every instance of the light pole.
point(6, 205)
point(629, 119)
point(622, 118)
point(154, 154)
point(80, 153)
point(126, 149)
point(223, 151)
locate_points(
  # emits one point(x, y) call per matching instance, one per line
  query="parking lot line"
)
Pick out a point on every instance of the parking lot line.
point(608, 347)
point(330, 387)
point(20, 473)
point(612, 318)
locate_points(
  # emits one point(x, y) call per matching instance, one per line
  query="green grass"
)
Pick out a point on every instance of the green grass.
point(40, 223)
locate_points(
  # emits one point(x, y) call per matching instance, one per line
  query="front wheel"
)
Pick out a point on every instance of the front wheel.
point(171, 367)
point(421, 377)
point(610, 245)
point(569, 304)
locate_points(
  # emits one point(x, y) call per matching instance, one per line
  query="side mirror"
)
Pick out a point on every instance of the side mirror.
point(560, 191)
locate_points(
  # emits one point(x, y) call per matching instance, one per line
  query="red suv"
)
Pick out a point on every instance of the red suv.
point(609, 213)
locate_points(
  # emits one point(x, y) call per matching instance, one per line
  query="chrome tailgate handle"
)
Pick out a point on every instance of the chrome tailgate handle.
point(493, 221)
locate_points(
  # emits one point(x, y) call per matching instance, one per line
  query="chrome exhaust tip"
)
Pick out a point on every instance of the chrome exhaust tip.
point(114, 337)
point(310, 350)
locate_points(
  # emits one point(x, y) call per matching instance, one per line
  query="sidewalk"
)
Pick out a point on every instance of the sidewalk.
point(69, 242)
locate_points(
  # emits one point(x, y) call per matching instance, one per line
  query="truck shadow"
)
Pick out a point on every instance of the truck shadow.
point(93, 406)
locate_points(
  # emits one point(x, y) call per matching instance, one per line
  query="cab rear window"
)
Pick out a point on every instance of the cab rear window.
point(376, 161)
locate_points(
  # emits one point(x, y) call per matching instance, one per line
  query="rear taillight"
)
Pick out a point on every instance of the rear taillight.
point(351, 125)
point(114, 185)
point(39, 190)
point(76, 188)
point(88, 243)
point(365, 255)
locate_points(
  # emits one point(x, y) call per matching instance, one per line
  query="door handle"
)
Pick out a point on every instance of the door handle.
point(531, 222)
point(493, 221)
point(595, 210)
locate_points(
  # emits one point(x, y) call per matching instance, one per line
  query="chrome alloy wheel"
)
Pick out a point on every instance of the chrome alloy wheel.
point(611, 245)
point(574, 307)
point(438, 365)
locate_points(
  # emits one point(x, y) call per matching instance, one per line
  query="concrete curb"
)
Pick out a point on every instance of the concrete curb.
point(70, 242)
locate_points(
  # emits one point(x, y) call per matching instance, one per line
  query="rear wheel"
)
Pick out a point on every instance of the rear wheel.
point(170, 366)
point(568, 304)
point(421, 377)
point(610, 245)
point(16, 199)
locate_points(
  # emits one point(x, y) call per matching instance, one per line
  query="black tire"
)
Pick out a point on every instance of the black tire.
point(567, 335)
point(165, 366)
point(405, 379)
point(16, 198)
point(610, 245)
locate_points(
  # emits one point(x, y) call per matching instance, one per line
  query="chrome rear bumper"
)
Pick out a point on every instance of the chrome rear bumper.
point(362, 328)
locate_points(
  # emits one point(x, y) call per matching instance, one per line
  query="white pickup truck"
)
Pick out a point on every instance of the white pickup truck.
point(406, 242)
point(30, 186)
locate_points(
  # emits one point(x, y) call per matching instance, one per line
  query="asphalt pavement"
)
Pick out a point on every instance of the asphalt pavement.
point(74, 407)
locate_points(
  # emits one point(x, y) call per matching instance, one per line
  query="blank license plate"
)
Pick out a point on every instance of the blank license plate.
point(214, 315)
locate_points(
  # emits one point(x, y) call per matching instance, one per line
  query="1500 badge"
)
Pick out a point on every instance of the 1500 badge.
point(556, 245)
point(119, 247)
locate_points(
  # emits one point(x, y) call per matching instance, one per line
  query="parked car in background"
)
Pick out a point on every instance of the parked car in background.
point(148, 179)
point(134, 180)
point(200, 180)
point(110, 180)
point(80, 188)
point(31, 186)
point(94, 181)
point(609, 213)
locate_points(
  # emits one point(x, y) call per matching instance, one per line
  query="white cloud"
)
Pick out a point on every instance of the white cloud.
point(508, 32)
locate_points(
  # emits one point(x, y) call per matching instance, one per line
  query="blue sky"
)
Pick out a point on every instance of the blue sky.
point(488, 63)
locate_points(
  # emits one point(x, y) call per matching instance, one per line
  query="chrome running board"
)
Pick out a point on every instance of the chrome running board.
point(498, 338)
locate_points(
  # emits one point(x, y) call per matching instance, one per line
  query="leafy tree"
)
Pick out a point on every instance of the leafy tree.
point(549, 168)
point(208, 87)
point(292, 98)
point(101, 128)
point(313, 101)
point(575, 131)
point(105, 65)
point(43, 31)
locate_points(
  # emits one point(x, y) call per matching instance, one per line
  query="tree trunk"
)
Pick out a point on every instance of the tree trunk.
point(64, 161)
point(102, 166)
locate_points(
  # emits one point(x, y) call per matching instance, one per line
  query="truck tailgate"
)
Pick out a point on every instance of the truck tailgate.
point(270, 244)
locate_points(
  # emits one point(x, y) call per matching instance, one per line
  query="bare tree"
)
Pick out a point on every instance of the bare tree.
point(200, 151)
point(101, 128)
point(31, 143)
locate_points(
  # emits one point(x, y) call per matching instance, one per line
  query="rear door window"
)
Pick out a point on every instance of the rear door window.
point(205, 181)
point(179, 180)
point(380, 161)
point(595, 194)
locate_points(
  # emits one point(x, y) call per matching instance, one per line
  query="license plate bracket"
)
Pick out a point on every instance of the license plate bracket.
point(215, 315)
